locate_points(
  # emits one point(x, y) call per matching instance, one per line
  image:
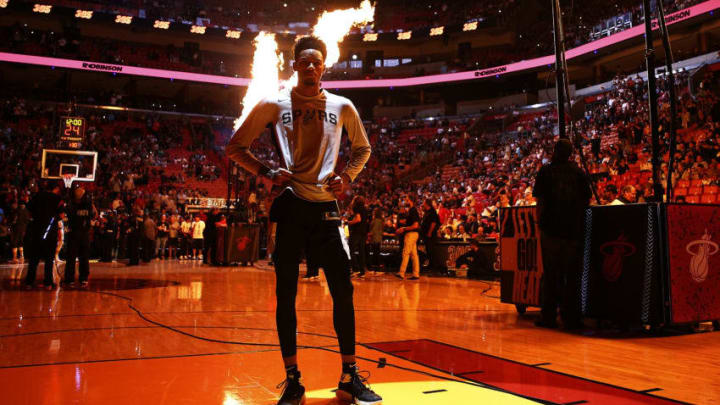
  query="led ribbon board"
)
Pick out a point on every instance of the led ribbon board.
point(496, 71)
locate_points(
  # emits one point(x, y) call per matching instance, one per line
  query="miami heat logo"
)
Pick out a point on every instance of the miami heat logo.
point(615, 252)
point(242, 243)
point(701, 250)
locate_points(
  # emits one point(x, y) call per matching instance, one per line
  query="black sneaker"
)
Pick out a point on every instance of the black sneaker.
point(353, 388)
point(293, 391)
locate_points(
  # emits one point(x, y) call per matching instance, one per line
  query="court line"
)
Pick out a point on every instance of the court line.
point(558, 372)
point(461, 380)
point(157, 327)
point(249, 311)
point(62, 363)
point(467, 372)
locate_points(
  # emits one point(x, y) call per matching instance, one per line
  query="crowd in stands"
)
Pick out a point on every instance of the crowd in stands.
point(145, 161)
point(70, 43)
point(154, 164)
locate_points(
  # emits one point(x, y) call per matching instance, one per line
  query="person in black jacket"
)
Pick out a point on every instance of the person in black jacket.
point(563, 193)
point(134, 232)
point(429, 232)
point(358, 226)
point(108, 237)
point(210, 236)
point(81, 212)
point(42, 233)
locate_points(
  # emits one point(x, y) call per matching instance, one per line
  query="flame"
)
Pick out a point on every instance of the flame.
point(332, 27)
point(265, 71)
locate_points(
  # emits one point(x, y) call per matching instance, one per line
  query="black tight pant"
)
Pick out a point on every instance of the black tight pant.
point(303, 224)
point(358, 251)
point(78, 250)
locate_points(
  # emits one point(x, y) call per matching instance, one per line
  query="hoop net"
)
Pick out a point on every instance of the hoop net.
point(68, 180)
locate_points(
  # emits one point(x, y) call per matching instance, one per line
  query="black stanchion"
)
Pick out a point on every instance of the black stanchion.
point(652, 101)
point(669, 60)
point(563, 91)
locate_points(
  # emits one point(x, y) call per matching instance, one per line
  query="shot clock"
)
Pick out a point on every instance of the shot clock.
point(72, 132)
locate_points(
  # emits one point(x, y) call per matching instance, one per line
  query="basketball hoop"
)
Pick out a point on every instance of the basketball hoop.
point(68, 179)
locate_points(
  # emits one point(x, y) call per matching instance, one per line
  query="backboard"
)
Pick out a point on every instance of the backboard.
point(57, 162)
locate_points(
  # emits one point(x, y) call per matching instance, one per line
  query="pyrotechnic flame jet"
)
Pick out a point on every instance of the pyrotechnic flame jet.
point(332, 27)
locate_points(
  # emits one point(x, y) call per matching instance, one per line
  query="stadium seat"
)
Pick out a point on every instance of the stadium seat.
point(708, 198)
point(681, 191)
point(696, 183)
point(711, 189)
point(692, 199)
point(695, 190)
point(683, 183)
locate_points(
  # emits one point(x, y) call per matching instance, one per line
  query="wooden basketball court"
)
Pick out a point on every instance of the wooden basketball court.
point(174, 333)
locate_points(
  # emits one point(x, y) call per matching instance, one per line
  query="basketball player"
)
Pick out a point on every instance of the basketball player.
point(307, 122)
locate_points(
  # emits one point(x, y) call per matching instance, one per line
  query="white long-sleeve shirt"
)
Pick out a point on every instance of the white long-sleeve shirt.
point(308, 131)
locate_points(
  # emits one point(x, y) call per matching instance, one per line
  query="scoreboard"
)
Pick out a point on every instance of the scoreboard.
point(72, 132)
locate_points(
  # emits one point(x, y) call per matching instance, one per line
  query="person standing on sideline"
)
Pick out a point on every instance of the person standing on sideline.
point(185, 238)
point(149, 236)
point(173, 235)
point(563, 193)
point(429, 230)
point(198, 230)
point(18, 227)
point(162, 238)
point(42, 233)
point(109, 237)
point(308, 123)
point(358, 236)
point(210, 237)
point(410, 234)
point(134, 234)
point(313, 269)
point(80, 212)
point(376, 237)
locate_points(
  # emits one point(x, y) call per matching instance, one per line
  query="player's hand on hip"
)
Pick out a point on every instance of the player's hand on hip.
point(280, 177)
point(338, 184)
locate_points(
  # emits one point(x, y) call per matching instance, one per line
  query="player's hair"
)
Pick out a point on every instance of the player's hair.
point(309, 42)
